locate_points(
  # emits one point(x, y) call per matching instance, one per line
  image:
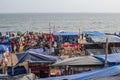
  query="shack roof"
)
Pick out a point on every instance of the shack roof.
point(102, 39)
point(93, 33)
point(112, 58)
point(95, 51)
point(35, 57)
point(83, 60)
point(104, 72)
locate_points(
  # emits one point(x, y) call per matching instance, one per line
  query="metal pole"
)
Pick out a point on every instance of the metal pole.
point(106, 53)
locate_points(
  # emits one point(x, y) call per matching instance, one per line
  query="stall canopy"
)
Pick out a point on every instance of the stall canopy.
point(65, 36)
point(35, 57)
point(112, 58)
point(104, 72)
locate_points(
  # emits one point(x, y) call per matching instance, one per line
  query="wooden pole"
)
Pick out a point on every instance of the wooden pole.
point(106, 53)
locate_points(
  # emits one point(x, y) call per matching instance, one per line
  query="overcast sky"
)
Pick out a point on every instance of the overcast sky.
point(26, 6)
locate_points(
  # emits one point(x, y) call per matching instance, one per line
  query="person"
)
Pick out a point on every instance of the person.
point(0, 34)
point(115, 33)
point(17, 46)
point(82, 35)
point(62, 72)
point(12, 45)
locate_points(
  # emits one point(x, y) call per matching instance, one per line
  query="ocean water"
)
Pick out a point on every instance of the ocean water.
point(72, 22)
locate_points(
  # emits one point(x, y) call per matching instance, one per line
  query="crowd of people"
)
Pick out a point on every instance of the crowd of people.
point(35, 40)
point(26, 40)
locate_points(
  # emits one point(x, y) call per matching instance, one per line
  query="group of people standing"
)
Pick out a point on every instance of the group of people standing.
point(24, 41)
point(28, 40)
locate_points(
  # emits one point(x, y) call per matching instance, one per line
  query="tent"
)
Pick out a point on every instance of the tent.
point(104, 72)
point(34, 57)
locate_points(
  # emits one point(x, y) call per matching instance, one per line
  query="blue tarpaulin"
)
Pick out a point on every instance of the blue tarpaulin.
point(40, 50)
point(102, 39)
point(35, 57)
point(17, 70)
point(112, 58)
point(65, 36)
point(3, 48)
point(65, 33)
point(104, 72)
point(89, 34)
point(5, 45)
point(93, 33)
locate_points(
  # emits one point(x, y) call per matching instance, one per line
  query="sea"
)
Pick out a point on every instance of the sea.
point(69, 22)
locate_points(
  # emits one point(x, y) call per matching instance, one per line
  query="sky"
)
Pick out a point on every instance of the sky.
point(54, 6)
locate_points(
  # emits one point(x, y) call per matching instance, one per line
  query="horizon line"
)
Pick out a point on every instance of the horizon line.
point(60, 12)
